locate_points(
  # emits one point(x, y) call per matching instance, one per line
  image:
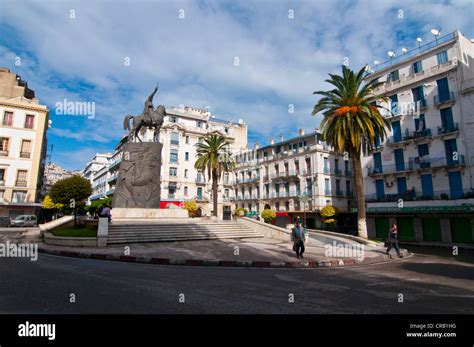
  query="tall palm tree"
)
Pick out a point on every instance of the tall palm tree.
point(214, 158)
point(352, 122)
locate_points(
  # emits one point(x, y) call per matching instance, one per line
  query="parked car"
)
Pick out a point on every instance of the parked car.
point(4, 221)
point(24, 220)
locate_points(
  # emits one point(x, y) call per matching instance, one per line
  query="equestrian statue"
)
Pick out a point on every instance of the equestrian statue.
point(149, 119)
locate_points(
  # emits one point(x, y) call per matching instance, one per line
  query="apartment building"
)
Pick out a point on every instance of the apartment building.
point(96, 171)
point(180, 181)
point(54, 173)
point(421, 177)
point(24, 122)
point(281, 175)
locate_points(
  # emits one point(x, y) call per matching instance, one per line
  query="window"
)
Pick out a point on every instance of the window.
point(171, 191)
point(19, 196)
point(25, 151)
point(199, 193)
point(187, 139)
point(198, 124)
point(2, 195)
point(423, 150)
point(185, 191)
point(8, 119)
point(21, 178)
point(393, 76)
point(185, 173)
point(2, 176)
point(29, 121)
point(442, 57)
point(417, 67)
point(173, 171)
point(175, 138)
point(394, 103)
point(226, 193)
point(4, 146)
point(420, 124)
point(173, 119)
point(173, 156)
point(327, 187)
point(186, 156)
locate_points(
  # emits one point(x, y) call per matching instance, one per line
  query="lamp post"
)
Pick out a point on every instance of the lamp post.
point(304, 198)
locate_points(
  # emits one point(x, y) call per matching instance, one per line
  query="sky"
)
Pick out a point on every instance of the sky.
point(259, 60)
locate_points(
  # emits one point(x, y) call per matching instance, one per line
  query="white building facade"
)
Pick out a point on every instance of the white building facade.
point(421, 177)
point(180, 181)
point(276, 176)
point(24, 122)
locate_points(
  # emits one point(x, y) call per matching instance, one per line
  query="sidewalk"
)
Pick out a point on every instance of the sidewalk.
point(255, 252)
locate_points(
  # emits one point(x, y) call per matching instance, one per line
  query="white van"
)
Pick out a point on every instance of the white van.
point(24, 220)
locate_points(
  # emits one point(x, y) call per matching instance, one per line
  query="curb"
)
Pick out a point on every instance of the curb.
point(219, 263)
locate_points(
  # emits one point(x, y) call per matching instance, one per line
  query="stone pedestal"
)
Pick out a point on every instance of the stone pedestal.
point(138, 184)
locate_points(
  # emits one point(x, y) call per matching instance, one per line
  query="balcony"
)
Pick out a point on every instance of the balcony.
point(448, 129)
point(3, 153)
point(417, 163)
point(443, 99)
point(25, 155)
point(200, 180)
point(112, 178)
point(21, 183)
point(409, 136)
point(327, 192)
point(413, 195)
point(2, 183)
point(174, 142)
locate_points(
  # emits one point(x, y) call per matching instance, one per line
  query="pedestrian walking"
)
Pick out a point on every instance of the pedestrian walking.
point(298, 236)
point(393, 240)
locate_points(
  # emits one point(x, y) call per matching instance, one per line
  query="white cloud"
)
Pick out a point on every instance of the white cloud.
point(282, 60)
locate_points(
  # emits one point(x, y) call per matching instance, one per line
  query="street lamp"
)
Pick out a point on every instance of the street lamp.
point(419, 39)
point(436, 33)
point(304, 198)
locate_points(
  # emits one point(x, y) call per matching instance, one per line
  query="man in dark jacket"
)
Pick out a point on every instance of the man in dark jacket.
point(393, 240)
point(298, 236)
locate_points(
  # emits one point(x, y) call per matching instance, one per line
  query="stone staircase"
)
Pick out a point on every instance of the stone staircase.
point(168, 231)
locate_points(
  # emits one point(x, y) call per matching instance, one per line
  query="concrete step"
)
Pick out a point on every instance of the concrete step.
point(173, 239)
point(177, 231)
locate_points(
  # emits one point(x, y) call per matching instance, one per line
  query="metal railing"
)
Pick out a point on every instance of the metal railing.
point(412, 195)
point(450, 128)
point(418, 163)
point(438, 100)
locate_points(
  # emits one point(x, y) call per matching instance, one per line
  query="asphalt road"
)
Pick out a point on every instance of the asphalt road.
point(428, 283)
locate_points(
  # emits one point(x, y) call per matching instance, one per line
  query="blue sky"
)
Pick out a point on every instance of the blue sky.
point(282, 60)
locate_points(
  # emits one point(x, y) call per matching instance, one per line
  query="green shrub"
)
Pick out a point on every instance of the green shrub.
point(240, 212)
point(192, 208)
point(268, 215)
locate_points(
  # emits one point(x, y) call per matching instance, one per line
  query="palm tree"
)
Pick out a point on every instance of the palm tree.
point(214, 158)
point(352, 123)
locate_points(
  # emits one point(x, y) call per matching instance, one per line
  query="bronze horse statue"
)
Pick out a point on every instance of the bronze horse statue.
point(149, 119)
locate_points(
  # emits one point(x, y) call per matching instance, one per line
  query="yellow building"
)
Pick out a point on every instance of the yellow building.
point(23, 125)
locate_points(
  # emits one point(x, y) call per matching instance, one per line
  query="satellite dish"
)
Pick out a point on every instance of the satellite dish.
point(435, 32)
point(404, 50)
point(376, 62)
point(419, 39)
point(391, 54)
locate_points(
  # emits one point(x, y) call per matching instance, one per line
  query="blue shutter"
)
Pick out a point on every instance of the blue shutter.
point(442, 57)
point(397, 131)
point(443, 89)
point(377, 163)
point(455, 185)
point(399, 160)
point(380, 189)
point(427, 185)
point(401, 185)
